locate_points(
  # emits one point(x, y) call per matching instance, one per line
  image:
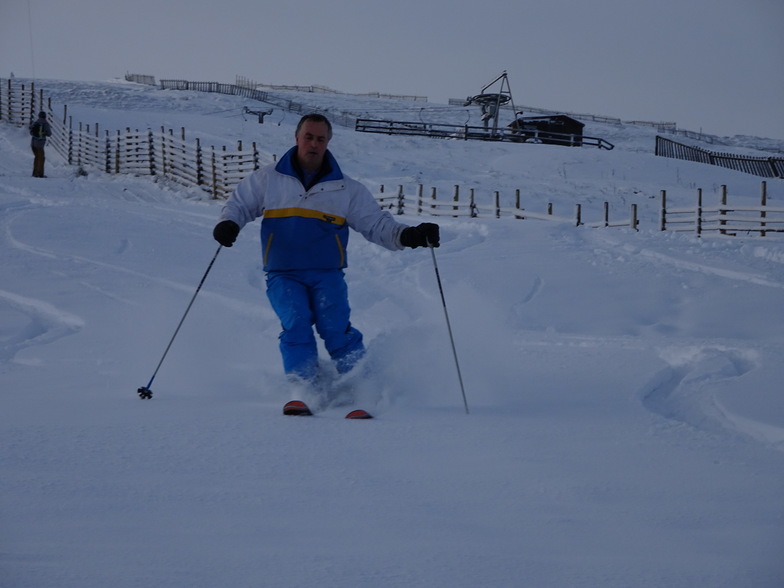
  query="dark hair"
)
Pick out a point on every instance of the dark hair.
point(42, 114)
point(315, 117)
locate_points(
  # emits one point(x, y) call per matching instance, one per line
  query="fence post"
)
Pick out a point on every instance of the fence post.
point(32, 116)
point(151, 152)
point(199, 164)
point(8, 103)
point(578, 214)
point(21, 111)
point(723, 210)
point(107, 152)
point(79, 146)
point(606, 214)
point(699, 212)
point(163, 152)
point(117, 154)
point(70, 140)
point(517, 204)
point(497, 203)
point(763, 212)
point(214, 174)
point(420, 191)
point(433, 201)
point(472, 205)
point(634, 221)
point(400, 199)
point(663, 216)
point(223, 165)
point(455, 199)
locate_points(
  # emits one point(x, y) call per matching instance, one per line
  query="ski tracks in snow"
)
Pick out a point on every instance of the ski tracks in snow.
point(625, 250)
point(33, 203)
point(694, 386)
point(688, 390)
point(41, 323)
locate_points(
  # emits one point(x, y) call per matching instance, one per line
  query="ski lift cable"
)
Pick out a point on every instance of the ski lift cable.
point(30, 29)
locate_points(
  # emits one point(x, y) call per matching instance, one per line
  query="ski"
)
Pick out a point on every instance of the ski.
point(359, 414)
point(296, 408)
point(299, 408)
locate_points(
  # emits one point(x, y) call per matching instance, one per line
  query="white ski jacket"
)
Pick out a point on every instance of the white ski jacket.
point(308, 229)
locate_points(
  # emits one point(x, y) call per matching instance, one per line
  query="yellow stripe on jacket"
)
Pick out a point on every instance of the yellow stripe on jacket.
point(304, 213)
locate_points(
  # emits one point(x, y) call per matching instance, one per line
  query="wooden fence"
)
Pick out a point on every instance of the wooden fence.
point(214, 87)
point(336, 117)
point(167, 154)
point(318, 89)
point(146, 152)
point(140, 79)
point(402, 202)
point(766, 167)
point(723, 218)
point(475, 133)
point(17, 105)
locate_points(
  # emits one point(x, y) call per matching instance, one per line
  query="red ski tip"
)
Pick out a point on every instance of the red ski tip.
point(359, 414)
point(296, 408)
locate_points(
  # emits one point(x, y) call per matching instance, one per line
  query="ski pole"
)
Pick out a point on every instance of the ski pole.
point(144, 392)
point(449, 326)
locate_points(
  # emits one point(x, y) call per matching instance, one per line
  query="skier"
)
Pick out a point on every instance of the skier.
point(308, 204)
point(39, 131)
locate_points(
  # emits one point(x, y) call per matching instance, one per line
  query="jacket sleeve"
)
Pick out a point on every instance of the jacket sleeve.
point(246, 203)
point(368, 218)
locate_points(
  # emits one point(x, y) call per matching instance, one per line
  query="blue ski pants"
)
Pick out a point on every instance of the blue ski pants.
point(305, 299)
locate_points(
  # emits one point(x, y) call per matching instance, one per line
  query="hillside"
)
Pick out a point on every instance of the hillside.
point(626, 424)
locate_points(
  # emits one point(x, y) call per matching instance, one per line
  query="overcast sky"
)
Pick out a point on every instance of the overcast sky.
point(711, 65)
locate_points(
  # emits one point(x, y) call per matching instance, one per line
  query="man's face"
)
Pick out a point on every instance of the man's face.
point(312, 142)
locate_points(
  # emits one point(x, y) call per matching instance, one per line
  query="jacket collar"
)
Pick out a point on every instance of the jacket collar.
point(330, 170)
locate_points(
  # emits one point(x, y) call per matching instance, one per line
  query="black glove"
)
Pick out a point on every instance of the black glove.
point(424, 235)
point(225, 232)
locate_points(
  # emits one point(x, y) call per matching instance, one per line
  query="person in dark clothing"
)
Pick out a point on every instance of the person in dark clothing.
point(39, 131)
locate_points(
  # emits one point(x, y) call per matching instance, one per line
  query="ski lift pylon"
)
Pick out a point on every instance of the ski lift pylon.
point(491, 102)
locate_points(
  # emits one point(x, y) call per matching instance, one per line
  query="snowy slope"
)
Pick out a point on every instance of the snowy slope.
point(626, 425)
